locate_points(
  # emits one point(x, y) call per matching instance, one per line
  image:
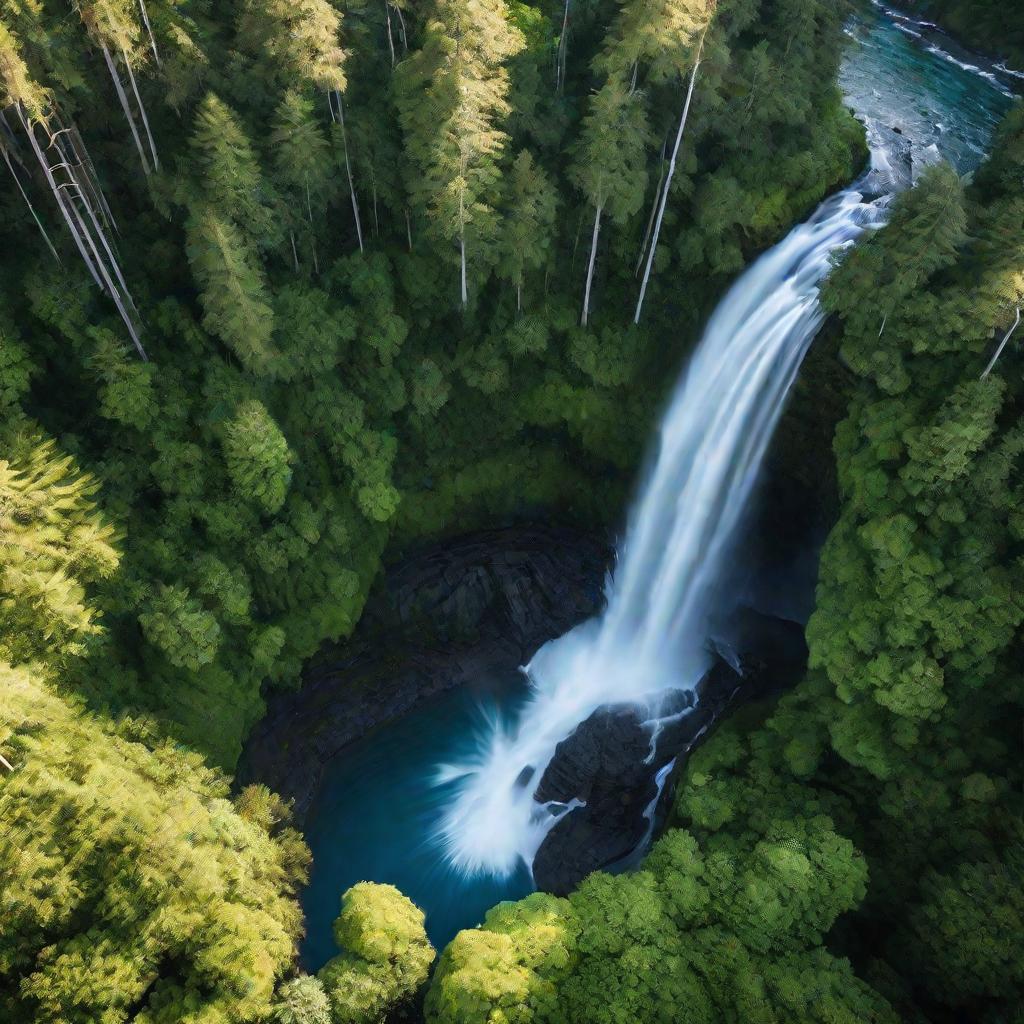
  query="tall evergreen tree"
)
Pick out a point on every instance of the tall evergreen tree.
point(610, 165)
point(452, 100)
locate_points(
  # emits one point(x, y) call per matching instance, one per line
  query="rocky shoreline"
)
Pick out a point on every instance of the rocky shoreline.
point(444, 615)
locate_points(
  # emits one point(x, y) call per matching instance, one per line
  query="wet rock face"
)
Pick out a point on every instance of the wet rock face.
point(610, 762)
point(444, 616)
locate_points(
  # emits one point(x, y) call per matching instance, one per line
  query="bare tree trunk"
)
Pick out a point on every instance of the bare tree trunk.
point(90, 208)
point(632, 81)
point(74, 161)
point(78, 144)
point(590, 269)
point(65, 207)
point(57, 195)
point(462, 252)
point(98, 229)
point(9, 130)
point(373, 193)
point(142, 111)
point(391, 41)
point(6, 764)
point(28, 203)
point(348, 171)
point(408, 228)
point(401, 24)
point(295, 252)
point(149, 29)
point(125, 107)
point(1002, 345)
point(83, 237)
point(111, 288)
point(654, 209)
point(563, 46)
point(312, 231)
point(668, 184)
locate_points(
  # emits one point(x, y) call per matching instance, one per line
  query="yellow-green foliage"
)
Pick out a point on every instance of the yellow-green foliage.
point(52, 542)
point(133, 889)
point(385, 957)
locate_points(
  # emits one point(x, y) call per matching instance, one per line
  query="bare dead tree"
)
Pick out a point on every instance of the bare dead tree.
point(999, 351)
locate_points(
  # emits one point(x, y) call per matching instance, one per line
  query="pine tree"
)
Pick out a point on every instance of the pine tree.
point(528, 222)
point(303, 166)
point(300, 37)
point(610, 165)
point(231, 288)
point(257, 457)
point(228, 173)
point(52, 543)
point(452, 101)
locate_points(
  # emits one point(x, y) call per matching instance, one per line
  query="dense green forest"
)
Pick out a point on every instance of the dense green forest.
point(888, 786)
point(286, 287)
point(986, 24)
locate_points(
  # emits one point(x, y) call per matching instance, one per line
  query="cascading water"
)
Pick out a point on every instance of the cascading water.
point(651, 637)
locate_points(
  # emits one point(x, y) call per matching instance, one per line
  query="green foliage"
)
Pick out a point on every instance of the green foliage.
point(386, 955)
point(257, 457)
point(311, 399)
point(250, 539)
point(699, 934)
point(302, 1001)
point(52, 543)
point(134, 890)
point(181, 628)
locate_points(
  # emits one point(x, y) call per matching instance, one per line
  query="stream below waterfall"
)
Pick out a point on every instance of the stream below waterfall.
point(435, 802)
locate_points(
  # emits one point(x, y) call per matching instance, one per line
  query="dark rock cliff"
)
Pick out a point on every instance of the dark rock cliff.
point(481, 603)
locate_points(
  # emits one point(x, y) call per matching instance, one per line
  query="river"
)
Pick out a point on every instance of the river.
point(432, 802)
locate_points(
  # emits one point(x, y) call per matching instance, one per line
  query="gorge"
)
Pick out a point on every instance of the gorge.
point(457, 819)
point(511, 512)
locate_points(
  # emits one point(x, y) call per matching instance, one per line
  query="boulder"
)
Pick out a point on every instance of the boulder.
point(609, 766)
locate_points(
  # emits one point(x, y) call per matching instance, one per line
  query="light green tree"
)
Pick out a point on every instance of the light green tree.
point(452, 97)
point(385, 957)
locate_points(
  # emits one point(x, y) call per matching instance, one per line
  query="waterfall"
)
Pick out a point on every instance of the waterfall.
point(652, 636)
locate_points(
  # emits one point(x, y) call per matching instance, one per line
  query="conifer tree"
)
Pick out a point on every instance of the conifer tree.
point(134, 889)
point(528, 221)
point(112, 24)
point(610, 164)
point(303, 168)
point(452, 101)
point(231, 288)
point(52, 543)
point(300, 37)
point(257, 457)
point(228, 173)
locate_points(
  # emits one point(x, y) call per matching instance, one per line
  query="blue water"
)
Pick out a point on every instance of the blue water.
point(380, 803)
point(378, 807)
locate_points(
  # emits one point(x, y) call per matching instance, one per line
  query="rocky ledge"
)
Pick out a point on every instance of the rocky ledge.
point(483, 603)
point(616, 770)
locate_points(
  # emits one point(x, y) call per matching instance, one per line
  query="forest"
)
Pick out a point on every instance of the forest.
point(982, 23)
point(290, 285)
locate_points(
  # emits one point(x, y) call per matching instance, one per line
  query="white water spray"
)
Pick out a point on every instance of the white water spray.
point(651, 637)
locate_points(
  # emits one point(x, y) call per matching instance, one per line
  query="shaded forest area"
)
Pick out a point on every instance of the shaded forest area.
point(287, 285)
